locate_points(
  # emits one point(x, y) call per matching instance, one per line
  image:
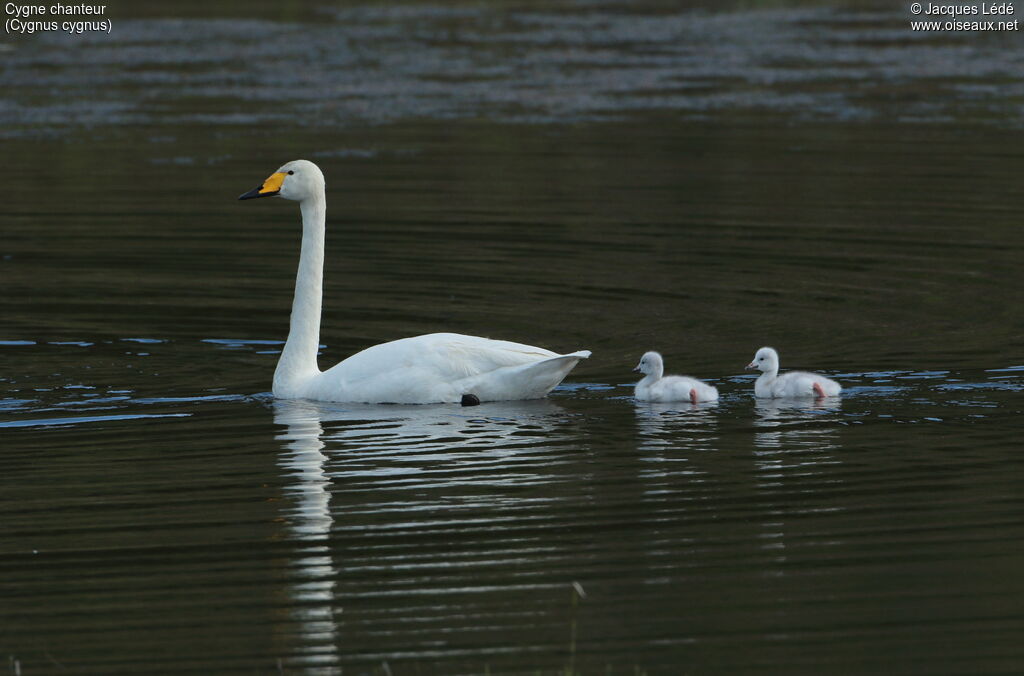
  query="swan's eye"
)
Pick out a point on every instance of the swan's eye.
point(291, 171)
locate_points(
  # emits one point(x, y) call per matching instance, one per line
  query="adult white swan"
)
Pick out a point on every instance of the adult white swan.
point(434, 368)
point(793, 384)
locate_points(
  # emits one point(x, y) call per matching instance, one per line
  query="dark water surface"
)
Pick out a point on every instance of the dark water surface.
point(161, 513)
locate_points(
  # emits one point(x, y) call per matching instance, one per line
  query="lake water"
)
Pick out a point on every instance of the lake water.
point(701, 181)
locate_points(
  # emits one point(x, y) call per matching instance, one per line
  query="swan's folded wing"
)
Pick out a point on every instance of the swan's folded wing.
point(432, 367)
point(532, 380)
point(459, 356)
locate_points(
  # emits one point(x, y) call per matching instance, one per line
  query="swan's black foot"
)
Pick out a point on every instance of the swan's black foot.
point(470, 400)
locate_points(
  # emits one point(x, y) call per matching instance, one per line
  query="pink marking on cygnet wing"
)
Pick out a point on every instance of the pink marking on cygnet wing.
point(817, 389)
point(693, 395)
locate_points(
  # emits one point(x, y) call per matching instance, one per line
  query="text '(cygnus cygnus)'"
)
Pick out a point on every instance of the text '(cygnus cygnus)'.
point(434, 368)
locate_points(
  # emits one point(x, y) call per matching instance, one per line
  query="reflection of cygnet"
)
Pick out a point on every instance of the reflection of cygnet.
point(654, 387)
point(792, 384)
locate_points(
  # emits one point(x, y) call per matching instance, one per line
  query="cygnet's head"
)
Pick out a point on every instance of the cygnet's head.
point(650, 364)
point(766, 359)
point(296, 180)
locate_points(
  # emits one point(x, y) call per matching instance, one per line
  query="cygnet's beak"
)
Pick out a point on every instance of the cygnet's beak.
point(270, 187)
point(637, 369)
point(752, 365)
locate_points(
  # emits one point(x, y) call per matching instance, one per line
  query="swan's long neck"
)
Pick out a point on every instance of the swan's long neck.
point(298, 359)
point(768, 375)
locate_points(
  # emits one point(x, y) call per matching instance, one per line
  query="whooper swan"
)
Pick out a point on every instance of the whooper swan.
point(433, 368)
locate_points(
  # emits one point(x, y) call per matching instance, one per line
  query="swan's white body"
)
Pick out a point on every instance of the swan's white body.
point(793, 384)
point(433, 368)
point(438, 367)
point(661, 388)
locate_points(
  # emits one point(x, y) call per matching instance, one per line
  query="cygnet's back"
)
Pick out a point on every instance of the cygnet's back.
point(802, 384)
point(677, 388)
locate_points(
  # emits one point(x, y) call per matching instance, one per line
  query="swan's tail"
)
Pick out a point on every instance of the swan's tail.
point(527, 381)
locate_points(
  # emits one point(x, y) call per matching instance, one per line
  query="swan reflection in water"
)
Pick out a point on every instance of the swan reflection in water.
point(372, 451)
point(797, 423)
point(308, 516)
point(665, 425)
point(794, 439)
point(668, 434)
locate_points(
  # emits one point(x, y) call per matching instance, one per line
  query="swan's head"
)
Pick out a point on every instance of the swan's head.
point(297, 180)
point(766, 359)
point(650, 364)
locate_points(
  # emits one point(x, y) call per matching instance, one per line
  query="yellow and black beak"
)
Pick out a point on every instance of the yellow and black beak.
point(270, 187)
